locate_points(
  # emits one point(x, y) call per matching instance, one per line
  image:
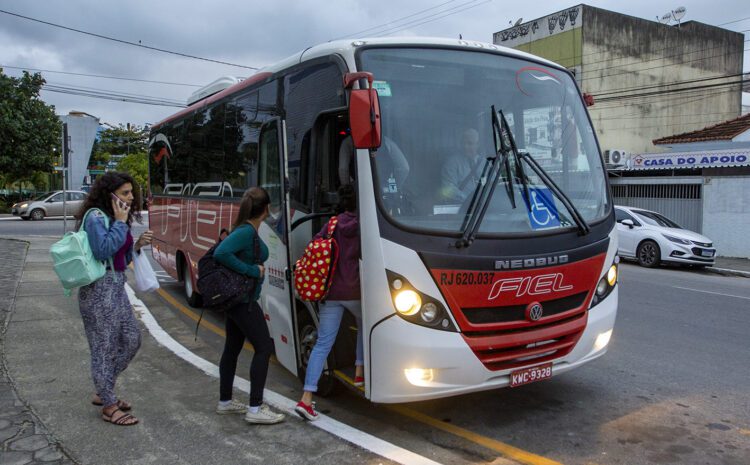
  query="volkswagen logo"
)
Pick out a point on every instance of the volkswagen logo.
point(534, 311)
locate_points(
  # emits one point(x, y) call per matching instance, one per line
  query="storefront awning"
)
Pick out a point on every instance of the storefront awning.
point(685, 160)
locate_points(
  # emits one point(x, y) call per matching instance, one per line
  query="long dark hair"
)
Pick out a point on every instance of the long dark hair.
point(252, 205)
point(347, 199)
point(99, 196)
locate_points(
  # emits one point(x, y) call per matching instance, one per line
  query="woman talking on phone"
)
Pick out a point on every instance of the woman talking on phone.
point(111, 328)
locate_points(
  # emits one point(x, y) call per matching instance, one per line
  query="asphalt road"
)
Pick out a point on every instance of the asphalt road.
point(55, 226)
point(672, 389)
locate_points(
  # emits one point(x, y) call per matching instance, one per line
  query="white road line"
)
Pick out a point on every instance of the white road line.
point(715, 293)
point(360, 438)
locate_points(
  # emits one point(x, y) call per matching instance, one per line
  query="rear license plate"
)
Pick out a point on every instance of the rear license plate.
point(707, 253)
point(530, 375)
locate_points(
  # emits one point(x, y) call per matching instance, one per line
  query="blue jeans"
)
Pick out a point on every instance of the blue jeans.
point(330, 319)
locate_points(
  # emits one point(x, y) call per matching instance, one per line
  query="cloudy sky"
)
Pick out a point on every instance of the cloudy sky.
point(251, 33)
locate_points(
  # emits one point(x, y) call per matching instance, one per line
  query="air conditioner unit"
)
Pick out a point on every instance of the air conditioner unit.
point(618, 156)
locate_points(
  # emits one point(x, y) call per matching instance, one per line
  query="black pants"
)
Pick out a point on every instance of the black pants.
point(245, 321)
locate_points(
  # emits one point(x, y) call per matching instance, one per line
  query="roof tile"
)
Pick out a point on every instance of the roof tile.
point(722, 131)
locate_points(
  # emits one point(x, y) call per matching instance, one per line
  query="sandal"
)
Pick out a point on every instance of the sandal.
point(121, 404)
point(125, 419)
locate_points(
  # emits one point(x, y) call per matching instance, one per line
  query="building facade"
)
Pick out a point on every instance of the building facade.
point(648, 79)
point(701, 179)
point(82, 129)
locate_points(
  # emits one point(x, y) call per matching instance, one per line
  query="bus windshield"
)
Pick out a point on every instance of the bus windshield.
point(438, 141)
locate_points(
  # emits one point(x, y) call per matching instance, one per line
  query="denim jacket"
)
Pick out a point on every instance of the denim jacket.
point(106, 242)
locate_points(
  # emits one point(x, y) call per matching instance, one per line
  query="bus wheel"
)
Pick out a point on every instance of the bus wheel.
point(308, 334)
point(193, 298)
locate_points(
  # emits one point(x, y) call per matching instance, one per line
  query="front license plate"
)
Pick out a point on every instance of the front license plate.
point(707, 253)
point(530, 375)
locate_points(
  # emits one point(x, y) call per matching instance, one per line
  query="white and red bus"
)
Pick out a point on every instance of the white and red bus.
point(513, 281)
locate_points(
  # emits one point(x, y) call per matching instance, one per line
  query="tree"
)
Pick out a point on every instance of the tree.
point(29, 129)
point(136, 164)
point(120, 140)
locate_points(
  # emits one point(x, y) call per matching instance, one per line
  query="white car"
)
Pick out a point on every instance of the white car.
point(652, 238)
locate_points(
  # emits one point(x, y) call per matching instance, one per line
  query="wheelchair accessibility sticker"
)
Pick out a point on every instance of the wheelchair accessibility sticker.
point(542, 209)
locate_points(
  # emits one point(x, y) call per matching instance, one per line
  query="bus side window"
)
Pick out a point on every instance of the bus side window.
point(269, 176)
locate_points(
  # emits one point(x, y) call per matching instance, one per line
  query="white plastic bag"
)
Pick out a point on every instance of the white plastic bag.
point(145, 278)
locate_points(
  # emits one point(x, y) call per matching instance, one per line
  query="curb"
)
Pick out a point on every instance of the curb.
point(727, 272)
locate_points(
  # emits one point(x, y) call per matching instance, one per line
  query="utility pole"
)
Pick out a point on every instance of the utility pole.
point(66, 167)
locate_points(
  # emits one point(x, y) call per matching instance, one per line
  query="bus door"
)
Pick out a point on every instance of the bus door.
point(276, 296)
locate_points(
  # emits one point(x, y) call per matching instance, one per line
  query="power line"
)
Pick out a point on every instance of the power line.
point(109, 95)
point(647, 69)
point(96, 89)
point(735, 21)
point(676, 83)
point(101, 76)
point(661, 92)
point(393, 21)
point(125, 41)
point(420, 21)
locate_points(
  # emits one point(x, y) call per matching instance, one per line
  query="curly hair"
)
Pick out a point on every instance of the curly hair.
point(99, 197)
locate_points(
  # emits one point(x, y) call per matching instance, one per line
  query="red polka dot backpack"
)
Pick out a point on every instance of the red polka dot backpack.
point(314, 270)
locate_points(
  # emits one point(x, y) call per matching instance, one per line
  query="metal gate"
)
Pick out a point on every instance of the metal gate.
point(680, 201)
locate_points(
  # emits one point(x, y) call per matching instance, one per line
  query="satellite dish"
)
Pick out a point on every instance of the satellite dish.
point(666, 18)
point(521, 19)
point(679, 13)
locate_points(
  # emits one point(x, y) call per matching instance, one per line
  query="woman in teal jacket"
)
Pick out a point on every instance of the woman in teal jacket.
point(246, 320)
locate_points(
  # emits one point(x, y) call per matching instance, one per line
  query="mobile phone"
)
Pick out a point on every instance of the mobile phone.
point(119, 202)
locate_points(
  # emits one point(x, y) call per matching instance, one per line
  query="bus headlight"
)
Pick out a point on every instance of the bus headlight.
point(429, 312)
point(407, 302)
point(606, 284)
point(602, 340)
point(419, 376)
point(612, 275)
point(417, 307)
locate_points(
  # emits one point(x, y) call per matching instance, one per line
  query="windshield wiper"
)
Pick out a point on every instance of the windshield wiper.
point(485, 190)
point(510, 142)
point(583, 227)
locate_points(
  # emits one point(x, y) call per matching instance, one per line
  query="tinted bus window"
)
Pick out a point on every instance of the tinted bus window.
point(307, 93)
point(241, 144)
point(269, 176)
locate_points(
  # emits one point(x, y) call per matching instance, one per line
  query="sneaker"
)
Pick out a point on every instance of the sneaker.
point(232, 407)
point(307, 412)
point(359, 381)
point(265, 416)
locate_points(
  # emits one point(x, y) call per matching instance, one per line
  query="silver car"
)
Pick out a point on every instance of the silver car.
point(49, 204)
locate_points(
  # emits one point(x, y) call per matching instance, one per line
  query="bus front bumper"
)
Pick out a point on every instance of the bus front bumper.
point(411, 363)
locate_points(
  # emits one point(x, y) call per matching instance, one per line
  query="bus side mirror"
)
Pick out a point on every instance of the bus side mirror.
point(364, 112)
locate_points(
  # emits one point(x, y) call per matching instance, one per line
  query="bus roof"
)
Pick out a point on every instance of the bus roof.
point(346, 49)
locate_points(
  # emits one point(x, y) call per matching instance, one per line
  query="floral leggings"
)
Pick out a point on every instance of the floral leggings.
point(111, 329)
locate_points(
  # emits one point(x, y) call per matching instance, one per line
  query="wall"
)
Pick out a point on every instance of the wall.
point(82, 132)
point(726, 214)
point(622, 54)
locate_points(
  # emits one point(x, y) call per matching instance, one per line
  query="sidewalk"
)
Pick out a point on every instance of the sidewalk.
point(23, 437)
point(731, 266)
point(48, 385)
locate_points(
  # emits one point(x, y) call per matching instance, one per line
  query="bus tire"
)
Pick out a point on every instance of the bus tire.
point(308, 334)
point(193, 298)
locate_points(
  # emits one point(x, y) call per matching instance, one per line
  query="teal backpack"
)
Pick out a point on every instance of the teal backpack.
point(73, 260)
